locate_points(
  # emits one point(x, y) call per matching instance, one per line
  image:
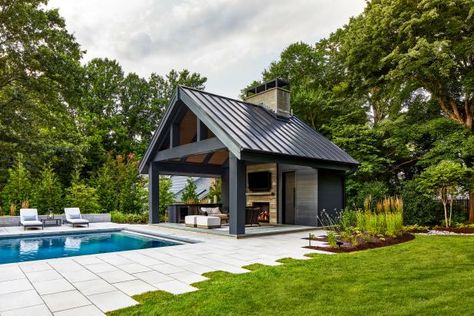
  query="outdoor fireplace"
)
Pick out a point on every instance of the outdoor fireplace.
point(264, 216)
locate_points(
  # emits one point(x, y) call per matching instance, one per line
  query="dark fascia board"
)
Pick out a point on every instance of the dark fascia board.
point(189, 169)
point(180, 95)
point(264, 157)
point(195, 148)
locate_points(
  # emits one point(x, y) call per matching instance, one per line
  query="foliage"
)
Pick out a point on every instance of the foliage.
point(344, 283)
point(132, 195)
point(215, 192)
point(19, 187)
point(445, 181)
point(81, 195)
point(127, 218)
point(189, 194)
point(166, 196)
point(48, 192)
point(420, 208)
point(332, 239)
point(414, 45)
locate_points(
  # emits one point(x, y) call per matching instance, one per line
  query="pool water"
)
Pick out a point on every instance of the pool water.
point(60, 246)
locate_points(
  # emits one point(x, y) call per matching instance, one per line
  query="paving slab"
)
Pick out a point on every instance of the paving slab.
point(110, 301)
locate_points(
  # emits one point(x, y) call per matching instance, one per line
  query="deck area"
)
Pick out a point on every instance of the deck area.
point(250, 231)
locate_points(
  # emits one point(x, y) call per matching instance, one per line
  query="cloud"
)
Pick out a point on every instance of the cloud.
point(229, 41)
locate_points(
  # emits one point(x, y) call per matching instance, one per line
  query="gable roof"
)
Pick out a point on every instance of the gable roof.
point(243, 126)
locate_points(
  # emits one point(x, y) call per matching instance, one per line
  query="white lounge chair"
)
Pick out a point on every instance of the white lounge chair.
point(74, 217)
point(29, 218)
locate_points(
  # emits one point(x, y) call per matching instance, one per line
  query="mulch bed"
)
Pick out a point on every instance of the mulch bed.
point(457, 230)
point(375, 243)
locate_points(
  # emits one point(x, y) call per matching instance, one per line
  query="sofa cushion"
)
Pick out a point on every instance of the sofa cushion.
point(75, 216)
point(29, 218)
point(210, 210)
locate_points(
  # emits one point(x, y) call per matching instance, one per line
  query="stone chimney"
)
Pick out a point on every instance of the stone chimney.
point(274, 95)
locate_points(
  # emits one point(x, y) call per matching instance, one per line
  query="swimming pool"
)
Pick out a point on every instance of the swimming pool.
point(68, 245)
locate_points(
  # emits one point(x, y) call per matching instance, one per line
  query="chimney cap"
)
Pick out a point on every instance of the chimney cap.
point(267, 85)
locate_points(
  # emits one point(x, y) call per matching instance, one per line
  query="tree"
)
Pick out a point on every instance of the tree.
point(215, 191)
point(107, 186)
point(131, 196)
point(416, 45)
point(48, 192)
point(39, 85)
point(446, 181)
point(18, 188)
point(189, 194)
point(82, 196)
point(166, 196)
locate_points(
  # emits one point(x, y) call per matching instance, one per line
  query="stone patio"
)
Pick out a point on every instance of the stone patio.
point(95, 284)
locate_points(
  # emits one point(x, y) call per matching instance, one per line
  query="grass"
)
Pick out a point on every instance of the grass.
point(430, 275)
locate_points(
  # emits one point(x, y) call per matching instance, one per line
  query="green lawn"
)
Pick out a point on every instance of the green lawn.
point(430, 275)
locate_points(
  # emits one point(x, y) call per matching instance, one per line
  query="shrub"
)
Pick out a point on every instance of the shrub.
point(332, 239)
point(166, 196)
point(360, 191)
point(124, 218)
point(419, 208)
point(189, 194)
point(18, 187)
point(48, 192)
point(83, 196)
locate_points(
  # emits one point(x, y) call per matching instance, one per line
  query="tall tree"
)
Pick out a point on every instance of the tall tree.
point(39, 75)
point(412, 45)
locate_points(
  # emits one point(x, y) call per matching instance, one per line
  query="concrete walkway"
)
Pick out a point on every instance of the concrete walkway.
point(95, 284)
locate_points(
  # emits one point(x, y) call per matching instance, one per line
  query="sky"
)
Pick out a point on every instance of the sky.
point(228, 41)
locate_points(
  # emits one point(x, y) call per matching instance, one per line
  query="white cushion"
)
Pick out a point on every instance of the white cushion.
point(29, 213)
point(190, 220)
point(78, 221)
point(31, 223)
point(211, 210)
point(68, 211)
point(208, 221)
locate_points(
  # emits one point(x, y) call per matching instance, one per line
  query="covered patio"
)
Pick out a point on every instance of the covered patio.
point(266, 158)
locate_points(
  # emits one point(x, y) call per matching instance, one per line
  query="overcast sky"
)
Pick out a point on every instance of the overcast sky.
point(228, 41)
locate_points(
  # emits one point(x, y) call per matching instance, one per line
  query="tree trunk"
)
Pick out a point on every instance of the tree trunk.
point(471, 206)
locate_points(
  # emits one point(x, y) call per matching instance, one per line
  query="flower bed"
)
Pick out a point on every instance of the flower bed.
point(374, 242)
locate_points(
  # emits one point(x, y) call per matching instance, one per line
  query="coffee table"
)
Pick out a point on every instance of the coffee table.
point(51, 221)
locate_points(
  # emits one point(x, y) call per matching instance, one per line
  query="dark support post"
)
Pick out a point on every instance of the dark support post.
point(237, 198)
point(225, 189)
point(153, 194)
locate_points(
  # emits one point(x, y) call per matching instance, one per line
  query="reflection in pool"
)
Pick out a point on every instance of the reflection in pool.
point(59, 246)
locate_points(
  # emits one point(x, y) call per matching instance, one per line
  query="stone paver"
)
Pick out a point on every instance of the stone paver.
point(134, 287)
point(65, 300)
point(94, 287)
point(89, 310)
point(18, 300)
point(94, 284)
point(52, 286)
point(38, 310)
point(110, 301)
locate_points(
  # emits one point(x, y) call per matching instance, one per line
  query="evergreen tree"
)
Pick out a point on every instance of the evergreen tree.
point(81, 195)
point(48, 192)
point(189, 194)
point(166, 196)
point(107, 186)
point(18, 187)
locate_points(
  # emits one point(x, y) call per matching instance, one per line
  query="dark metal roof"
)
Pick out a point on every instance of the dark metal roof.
point(254, 128)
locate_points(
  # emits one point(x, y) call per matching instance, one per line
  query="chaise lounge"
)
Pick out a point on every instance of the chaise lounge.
point(73, 216)
point(29, 218)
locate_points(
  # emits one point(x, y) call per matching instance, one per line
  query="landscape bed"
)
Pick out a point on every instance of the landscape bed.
point(362, 245)
point(49, 246)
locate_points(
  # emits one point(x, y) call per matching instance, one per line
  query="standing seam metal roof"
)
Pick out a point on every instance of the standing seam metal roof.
point(255, 128)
